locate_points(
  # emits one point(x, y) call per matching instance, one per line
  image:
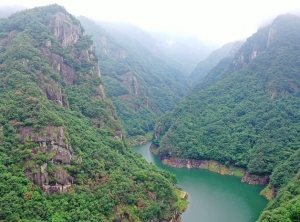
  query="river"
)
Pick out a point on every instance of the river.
point(213, 197)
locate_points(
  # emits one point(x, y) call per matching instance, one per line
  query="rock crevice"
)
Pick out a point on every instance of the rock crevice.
point(52, 142)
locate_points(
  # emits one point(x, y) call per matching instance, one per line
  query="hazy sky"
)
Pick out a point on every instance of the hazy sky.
point(218, 21)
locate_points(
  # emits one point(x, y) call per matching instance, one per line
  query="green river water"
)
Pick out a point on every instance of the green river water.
point(213, 197)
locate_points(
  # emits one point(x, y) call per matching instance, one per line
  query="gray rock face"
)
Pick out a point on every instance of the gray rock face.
point(255, 179)
point(244, 58)
point(52, 142)
point(271, 36)
point(53, 92)
point(67, 34)
point(64, 30)
point(131, 83)
point(57, 62)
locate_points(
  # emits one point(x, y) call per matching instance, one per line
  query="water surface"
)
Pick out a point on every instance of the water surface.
point(213, 197)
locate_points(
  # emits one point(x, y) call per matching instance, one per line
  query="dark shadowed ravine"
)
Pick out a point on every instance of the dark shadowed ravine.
point(213, 197)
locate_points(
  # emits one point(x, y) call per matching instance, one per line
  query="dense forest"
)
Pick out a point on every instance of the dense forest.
point(65, 122)
point(63, 156)
point(246, 113)
point(141, 85)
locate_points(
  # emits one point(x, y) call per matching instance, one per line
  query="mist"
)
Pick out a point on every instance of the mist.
point(217, 22)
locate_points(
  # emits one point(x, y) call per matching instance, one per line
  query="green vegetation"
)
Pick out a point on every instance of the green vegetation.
point(182, 203)
point(58, 129)
point(141, 86)
point(246, 113)
point(203, 67)
point(139, 139)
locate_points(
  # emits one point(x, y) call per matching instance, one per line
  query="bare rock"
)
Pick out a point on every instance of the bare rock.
point(57, 63)
point(64, 30)
point(255, 179)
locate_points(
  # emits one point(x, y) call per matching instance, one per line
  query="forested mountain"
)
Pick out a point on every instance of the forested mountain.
point(248, 115)
point(203, 67)
point(62, 155)
point(141, 86)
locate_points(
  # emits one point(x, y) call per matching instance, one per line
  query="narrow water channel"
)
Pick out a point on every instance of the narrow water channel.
point(213, 197)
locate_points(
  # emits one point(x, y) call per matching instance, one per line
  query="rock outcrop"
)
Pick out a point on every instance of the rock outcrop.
point(271, 35)
point(52, 142)
point(66, 32)
point(255, 179)
point(57, 62)
point(175, 218)
point(131, 83)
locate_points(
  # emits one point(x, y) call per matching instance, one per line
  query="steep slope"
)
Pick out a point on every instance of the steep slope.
point(62, 155)
point(286, 206)
point(203, 67)
point(227, 65)
point(141, 86)
point(248, 116)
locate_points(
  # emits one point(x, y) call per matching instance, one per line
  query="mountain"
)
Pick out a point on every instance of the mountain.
point(142, 86)
point(179, 51)
point(247, 116)
point(63, 156)
point(203, 67)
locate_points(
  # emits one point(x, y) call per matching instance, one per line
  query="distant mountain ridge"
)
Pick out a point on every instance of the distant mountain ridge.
point(180, 52)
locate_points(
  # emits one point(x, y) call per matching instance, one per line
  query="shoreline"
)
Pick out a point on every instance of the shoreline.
point(222, 169)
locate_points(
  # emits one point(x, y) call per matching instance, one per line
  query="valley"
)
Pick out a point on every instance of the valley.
point(77, 93)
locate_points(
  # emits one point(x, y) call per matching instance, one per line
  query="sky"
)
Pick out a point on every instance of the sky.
point(215, 21)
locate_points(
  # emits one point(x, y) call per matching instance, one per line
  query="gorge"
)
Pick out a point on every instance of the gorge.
point(75, 96)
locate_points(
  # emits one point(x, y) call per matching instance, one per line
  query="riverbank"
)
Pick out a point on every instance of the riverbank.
point(214, 167)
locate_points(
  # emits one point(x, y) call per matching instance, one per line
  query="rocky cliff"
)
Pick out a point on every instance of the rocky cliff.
point(50, 141)
point(62, 50)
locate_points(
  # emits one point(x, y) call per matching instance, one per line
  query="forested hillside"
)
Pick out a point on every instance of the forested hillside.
point(141, 86)
point(203, 67)
point(62, 152)
point(248, 115)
